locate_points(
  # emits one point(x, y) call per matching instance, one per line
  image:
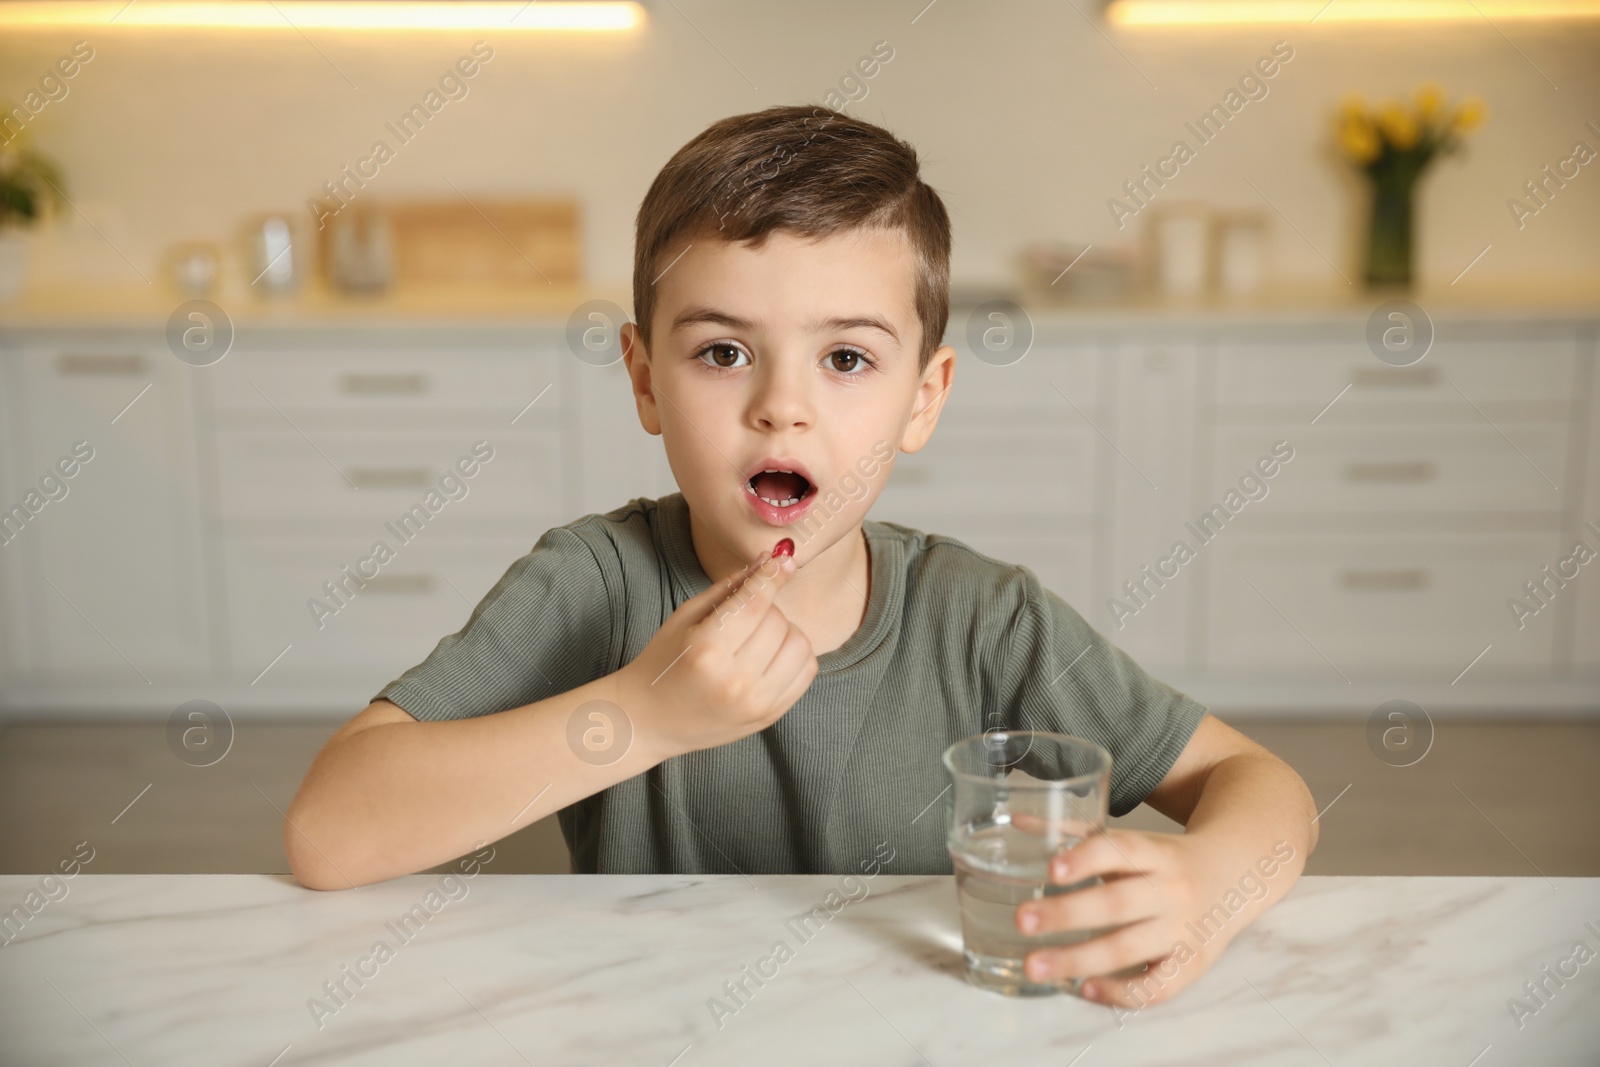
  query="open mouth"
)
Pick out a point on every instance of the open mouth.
point(780, 488)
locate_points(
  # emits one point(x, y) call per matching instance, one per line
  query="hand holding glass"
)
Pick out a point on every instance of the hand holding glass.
point(1018, 799)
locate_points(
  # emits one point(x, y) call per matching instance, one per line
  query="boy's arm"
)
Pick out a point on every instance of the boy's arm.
point(389, 795)
point(1249, 826)
point(1226, 786)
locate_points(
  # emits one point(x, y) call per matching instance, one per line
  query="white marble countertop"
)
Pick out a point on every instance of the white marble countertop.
point(527, 969)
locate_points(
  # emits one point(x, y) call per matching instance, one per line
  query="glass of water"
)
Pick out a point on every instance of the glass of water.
point(1018, 799)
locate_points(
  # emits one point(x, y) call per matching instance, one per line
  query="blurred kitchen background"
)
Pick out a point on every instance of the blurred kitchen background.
point(239, 341)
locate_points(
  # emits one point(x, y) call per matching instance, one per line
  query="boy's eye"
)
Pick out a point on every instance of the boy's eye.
point(723, 356)
point(849, 360)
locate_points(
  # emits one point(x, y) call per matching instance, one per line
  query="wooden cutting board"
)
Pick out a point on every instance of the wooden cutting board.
point(486, 241)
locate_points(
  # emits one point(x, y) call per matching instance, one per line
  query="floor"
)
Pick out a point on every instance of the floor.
point(1489, 798)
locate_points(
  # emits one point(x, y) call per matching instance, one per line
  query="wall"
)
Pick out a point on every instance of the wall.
point(1028, 117)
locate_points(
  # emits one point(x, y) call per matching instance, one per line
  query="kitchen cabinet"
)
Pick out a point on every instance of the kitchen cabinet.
point(1149, 452)
point(373, 628)
point(1379, 607)
point(1419, 500)
point(1376, 563)
point(112, 586)
point(449, 448)
point(1012, 470)
point(1583, 527)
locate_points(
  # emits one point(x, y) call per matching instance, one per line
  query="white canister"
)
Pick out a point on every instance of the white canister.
point(272, 255)
point(1241, 252)
point(1181, 237)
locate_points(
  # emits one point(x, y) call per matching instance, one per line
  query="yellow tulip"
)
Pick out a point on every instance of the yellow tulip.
point(1398, 127)
point(1352, 107)
point(1429, 101)
point(1359, 141)
point(1471, 113)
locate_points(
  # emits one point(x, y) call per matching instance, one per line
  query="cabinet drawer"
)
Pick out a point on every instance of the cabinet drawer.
point(269, 474)
point(115, 589)
point(385, 381)
point(1414, 607)
point(428, 590)
point(1044, 470)
point(1031, 382)
point(1439, 468)
point(1537, 372)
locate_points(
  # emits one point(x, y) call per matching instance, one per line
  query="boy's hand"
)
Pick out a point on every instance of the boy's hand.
point(726, 664)
point(1154, 885)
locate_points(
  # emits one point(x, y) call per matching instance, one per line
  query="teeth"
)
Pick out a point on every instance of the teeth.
point(774, 503)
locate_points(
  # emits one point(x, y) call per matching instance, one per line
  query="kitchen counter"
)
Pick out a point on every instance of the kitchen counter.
point(509, 969)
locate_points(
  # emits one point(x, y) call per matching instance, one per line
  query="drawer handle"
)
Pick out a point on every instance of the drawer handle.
point(1385, 581)
point(384, 384)
point(1395, 377)
point(1415, 471)
point(391, 477)
point(99, 366)
point(399, 584)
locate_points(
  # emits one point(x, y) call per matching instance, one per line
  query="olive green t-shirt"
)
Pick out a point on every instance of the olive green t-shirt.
point(953, 643)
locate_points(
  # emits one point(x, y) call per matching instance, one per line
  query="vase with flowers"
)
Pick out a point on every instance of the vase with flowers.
point(30, 186)
point(1393, 145)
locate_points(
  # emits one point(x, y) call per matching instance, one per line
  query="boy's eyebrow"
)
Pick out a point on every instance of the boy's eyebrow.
point(870, 322)
point(701, 313)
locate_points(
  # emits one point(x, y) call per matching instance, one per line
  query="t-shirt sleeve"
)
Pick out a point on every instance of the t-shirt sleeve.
point(1063, 676)
point(543, 629)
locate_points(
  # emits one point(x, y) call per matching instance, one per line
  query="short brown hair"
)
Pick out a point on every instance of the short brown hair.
point(803, 169)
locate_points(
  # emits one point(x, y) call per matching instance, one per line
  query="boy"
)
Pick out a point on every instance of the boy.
point(751, 676)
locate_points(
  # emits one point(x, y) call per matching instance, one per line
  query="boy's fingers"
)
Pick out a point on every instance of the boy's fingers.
point(1109, 852)
point(742, 611)
point(1124, 947)
point(1113, 903)
point(761, 647)
point(708, 599)
point(719, 591)
point(795, 662)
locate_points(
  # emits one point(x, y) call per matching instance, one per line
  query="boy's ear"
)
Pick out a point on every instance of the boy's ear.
point(636, 358)
point(931, 394)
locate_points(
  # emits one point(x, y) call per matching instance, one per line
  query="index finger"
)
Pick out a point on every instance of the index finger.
point(1109, 852)
point(708, 600)
point(743, 610)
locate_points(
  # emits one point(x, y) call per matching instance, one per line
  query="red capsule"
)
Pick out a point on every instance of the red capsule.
point(783, 548)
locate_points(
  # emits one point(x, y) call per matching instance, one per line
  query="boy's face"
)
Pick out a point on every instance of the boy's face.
point(800, 353)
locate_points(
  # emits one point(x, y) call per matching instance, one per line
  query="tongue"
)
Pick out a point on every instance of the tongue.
point(782, 486)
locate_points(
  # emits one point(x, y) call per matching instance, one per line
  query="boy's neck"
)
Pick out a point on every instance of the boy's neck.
point(827, 598)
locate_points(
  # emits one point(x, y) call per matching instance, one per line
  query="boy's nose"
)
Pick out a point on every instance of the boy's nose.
point(781, 401)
